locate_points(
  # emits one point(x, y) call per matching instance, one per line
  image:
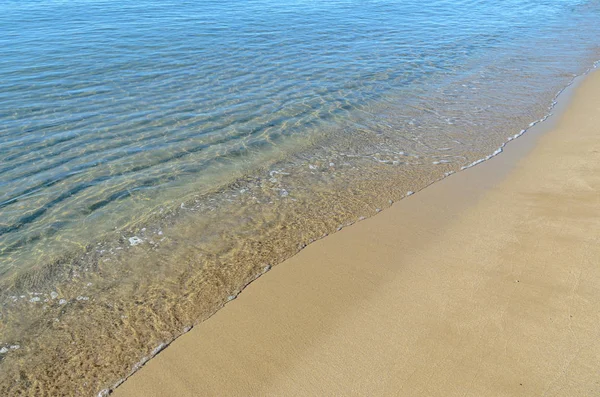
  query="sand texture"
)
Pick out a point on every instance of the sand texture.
point(484, 284)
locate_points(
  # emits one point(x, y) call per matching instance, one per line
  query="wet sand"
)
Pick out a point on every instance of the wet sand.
point(483, 284)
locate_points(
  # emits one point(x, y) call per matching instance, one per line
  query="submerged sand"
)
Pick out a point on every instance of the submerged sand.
point(484, 284)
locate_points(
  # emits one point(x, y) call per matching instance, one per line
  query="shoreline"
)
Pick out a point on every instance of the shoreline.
point(310, 277)
point(557, 107)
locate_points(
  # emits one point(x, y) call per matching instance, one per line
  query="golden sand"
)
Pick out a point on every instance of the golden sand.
point(484, 284)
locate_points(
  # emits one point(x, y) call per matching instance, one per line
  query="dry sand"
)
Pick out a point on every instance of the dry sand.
point(484, 284)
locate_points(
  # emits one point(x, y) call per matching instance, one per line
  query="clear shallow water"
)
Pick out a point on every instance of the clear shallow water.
point(157, 156)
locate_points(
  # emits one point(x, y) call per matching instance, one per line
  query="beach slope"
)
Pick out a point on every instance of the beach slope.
point(486, 283)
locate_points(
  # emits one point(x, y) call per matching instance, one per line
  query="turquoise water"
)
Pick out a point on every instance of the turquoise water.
point(155, 156)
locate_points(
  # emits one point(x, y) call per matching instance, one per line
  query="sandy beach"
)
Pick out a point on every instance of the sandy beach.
point(483, 284)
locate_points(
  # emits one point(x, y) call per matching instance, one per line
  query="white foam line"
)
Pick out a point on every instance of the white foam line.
point(550, 108)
